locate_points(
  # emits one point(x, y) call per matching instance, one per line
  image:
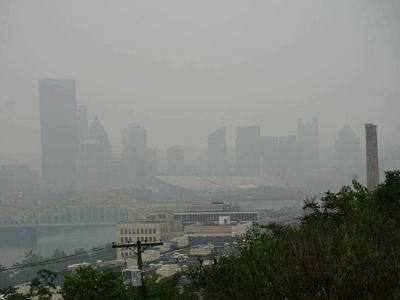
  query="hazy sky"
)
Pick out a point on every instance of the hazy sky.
point(184, 68)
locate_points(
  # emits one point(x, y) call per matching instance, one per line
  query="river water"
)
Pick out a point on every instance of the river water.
point(48, 240)
point(72, 238)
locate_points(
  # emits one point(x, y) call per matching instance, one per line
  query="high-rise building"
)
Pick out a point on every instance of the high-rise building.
point(82, 123)
point(248, 150)
point(175, 161)
point(134, 141)
point(308, 143)
point(371, 142)
point(217, 153)
point(347, 154)
point(139, 162)
point(287, 158)
point(269, 154)
point(95, 160)
point(58, 129)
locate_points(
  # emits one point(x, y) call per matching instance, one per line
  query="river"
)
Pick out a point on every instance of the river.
point(48, 240)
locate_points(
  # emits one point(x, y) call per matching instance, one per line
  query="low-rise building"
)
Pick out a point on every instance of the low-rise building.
point(147, 256)
point(168, 270)
point(201, 250)
point(191, 217)
point(217, 233)
point(157, 227)
point(225, 229)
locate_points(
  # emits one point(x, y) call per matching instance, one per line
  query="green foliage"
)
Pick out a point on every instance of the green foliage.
point(11, 278)
point(11, 293)
point(90, 283)
point(164, 288)
point(43, 286)
point(347, 247)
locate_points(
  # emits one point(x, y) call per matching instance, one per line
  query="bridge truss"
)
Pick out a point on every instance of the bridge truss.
point(96, 208)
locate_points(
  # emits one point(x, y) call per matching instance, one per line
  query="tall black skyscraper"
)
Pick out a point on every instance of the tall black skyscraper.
point(58, 129)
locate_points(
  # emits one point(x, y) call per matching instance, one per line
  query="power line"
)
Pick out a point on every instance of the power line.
point(104, 249)
point(138, 246)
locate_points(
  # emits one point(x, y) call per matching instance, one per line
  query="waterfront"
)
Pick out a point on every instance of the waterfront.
point(66, 239)
point(69, 239)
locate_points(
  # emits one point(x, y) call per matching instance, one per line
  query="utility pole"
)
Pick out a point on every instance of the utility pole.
point(139, 250)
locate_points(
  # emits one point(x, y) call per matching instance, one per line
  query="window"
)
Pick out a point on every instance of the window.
point(126, 231)
point(142, 239)
point(141, 231)
point(154, 231)
point(122, 231)
point(137, 231)
point(145, 231)
point(122, 239)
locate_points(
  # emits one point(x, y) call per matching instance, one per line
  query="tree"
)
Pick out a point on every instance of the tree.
point(347, 247)
point(43, 286)
point(164, 288)
point(11, 293)
point(90, 283)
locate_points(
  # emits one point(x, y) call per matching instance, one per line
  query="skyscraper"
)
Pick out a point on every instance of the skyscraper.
point(248, 150)
point(139, 162)
point(347, 154)
point(269, 154)
point(287, 158)
point(371, 142)
point(58, 130)
point(82, 123)
point(175, 161)
point(134, 141)
point(308, 139)
point(217, 156)
point(95, 159)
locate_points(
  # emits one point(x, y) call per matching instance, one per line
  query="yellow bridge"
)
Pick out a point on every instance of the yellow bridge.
point(76, 209)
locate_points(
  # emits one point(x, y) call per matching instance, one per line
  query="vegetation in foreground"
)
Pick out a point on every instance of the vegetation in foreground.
point(346, 247)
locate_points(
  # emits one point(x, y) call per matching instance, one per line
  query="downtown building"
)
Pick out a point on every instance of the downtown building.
point(308, 145)
point(248, 161)
point(217, 153)
point(58, 131)
point(176, 161)
point(347, 157)
point(138, 162)
point(95, 157)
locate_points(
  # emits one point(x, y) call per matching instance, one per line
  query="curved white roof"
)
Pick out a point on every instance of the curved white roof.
point(212, 183)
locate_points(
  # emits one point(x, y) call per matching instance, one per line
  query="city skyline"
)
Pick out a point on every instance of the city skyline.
point(265, 80)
